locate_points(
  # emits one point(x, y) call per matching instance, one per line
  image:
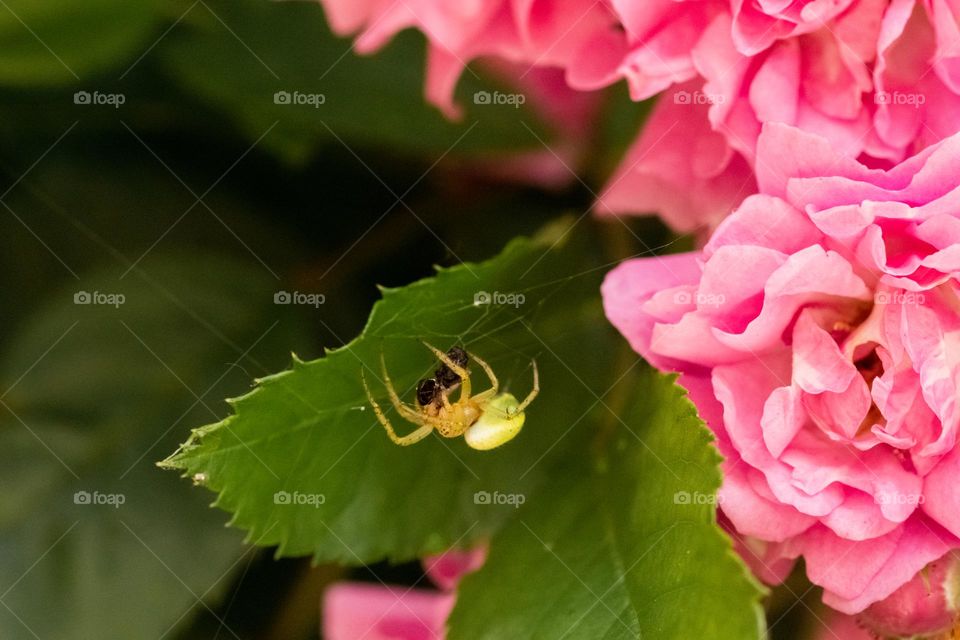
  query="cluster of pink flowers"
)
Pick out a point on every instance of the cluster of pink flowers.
point(815, 143)
point(878, 78)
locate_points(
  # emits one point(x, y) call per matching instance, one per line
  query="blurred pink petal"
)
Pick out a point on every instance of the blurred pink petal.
point(556, 162)
point(536, 33)
point(355, 611)
point(679, 168)
point(837, 626)
point(446, 569)
point(927, 604)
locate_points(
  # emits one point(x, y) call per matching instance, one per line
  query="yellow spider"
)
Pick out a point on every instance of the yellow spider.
point(485, 420)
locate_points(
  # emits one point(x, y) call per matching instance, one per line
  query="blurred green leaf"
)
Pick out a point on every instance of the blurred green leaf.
point(49, 42)
point(238, 54)
point(622, 547)
point(310, 431)
point(92, 391)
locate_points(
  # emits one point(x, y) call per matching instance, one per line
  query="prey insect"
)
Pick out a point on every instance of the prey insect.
point(486, 420)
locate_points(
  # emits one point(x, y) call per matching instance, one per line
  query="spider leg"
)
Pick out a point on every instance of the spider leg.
point(403, 441)
point(446, 402)
point(494, 383)
point(533, 393)
point(460, 371)
point(406, 411)
point(411, 438)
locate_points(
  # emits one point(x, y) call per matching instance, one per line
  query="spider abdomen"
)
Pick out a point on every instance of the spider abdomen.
point(498, 424)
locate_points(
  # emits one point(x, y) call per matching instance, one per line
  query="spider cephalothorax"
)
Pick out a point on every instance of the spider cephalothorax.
point(485, 420)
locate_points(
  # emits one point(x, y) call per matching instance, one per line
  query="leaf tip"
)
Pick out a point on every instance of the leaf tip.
point(174, 462)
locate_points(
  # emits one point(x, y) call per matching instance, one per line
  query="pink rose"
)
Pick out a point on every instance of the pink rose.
point(878, 78)
point(354, 610)
point(818, 332)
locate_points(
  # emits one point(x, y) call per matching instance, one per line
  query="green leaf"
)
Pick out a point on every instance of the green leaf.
point(310, 432)
point(613, 550)
point(91, 393)
point(237, 54)
point(50, 42)
point(582, 506)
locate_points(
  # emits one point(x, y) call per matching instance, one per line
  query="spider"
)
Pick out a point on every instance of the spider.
point(485, 420)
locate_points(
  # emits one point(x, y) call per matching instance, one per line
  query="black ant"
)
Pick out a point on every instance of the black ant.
point(444, 379)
